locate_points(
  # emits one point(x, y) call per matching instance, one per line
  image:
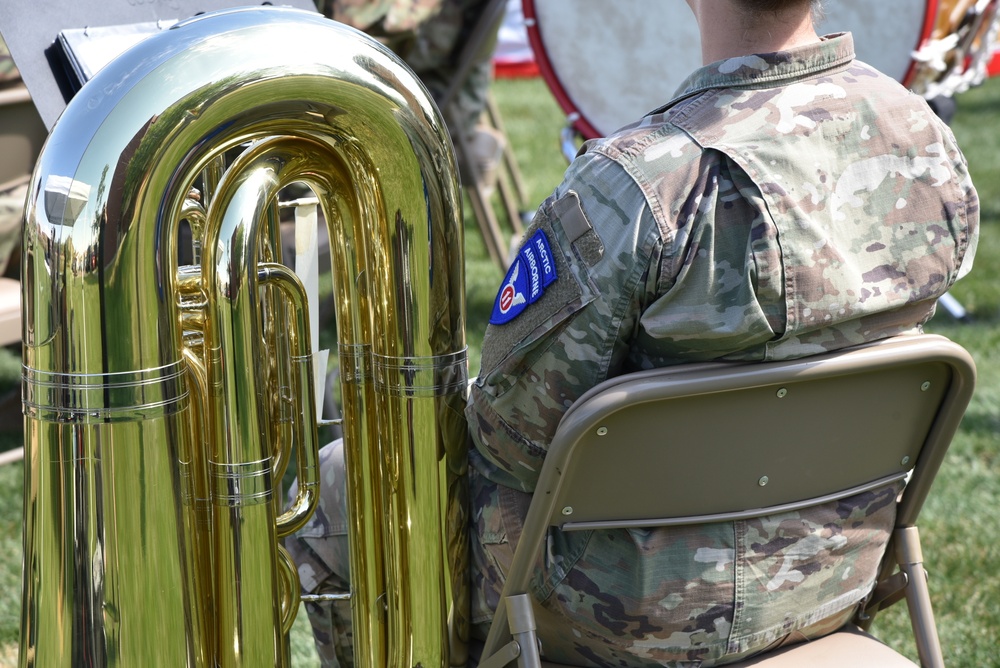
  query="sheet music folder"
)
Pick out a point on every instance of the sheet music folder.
point(86, 50)
point(32, 30)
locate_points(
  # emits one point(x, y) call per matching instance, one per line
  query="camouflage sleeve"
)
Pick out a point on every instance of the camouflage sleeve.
point(971, 231)
point(574, 334)
point(396, 16)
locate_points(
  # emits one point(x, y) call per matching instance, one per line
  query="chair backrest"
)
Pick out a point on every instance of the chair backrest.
point(655, 448)
point(775, 436)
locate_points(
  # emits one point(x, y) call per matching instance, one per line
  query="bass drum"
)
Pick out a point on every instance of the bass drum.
point(609, 63)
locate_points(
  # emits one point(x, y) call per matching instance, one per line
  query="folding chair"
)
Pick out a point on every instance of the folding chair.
point(780, 436)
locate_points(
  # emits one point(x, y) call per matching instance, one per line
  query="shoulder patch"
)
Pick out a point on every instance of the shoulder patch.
point(531, 272)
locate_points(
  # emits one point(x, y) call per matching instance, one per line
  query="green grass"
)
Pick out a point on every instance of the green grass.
point(959, 526)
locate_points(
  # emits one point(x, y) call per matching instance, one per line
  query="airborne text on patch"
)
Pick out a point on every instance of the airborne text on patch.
point(530, 273)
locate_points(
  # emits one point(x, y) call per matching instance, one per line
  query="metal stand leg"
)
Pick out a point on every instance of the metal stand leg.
point(479, 44)
point(953, 307)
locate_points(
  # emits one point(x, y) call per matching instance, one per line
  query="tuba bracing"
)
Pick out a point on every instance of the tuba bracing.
point(164, 398)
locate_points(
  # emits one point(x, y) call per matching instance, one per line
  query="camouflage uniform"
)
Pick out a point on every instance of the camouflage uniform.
point(782, 205)
point(427, 34)
point(322, 556)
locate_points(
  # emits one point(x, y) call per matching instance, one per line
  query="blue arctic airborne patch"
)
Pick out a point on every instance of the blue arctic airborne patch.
point(530, 273)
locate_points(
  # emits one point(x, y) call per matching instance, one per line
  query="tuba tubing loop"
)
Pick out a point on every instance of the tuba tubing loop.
point(307, 466)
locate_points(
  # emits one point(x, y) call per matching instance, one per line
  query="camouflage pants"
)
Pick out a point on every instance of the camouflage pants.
point(429, 35)
point(677, 596)
point(688, 596)
point(321, 553)
point(433, 56)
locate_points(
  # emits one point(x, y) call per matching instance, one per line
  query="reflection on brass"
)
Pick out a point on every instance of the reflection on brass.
point(162, 402)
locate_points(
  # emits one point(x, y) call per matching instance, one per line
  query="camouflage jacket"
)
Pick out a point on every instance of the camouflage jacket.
point(396, 16)
point(781, 205)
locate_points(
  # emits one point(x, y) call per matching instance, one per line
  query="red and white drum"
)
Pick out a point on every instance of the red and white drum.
point(608, 63)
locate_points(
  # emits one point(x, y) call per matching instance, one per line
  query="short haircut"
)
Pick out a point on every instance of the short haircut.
point(758, 8)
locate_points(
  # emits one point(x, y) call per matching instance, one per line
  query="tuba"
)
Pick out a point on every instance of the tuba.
point(165, 397)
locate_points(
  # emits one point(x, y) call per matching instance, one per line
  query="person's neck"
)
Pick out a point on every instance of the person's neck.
point(729, 36)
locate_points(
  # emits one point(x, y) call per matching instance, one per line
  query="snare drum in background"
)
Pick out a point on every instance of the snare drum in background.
point(607, 64)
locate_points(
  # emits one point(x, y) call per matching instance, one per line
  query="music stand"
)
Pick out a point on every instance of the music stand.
point(31, 31)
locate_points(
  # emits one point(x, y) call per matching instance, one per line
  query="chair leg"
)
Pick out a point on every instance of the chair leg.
point(482, 210)
point(521, 626)
point(520, 194)
point(493, 238)
point(509, 186)
point(521, 619)
point(511, 207)
point(918, 599)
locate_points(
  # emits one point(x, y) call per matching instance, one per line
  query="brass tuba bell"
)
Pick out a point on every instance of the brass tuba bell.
point(162, 400)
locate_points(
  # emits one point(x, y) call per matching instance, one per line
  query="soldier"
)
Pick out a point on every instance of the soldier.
point(428, 35)
point(789, 200)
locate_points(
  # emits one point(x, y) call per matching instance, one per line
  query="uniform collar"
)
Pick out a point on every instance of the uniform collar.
point(764, 70)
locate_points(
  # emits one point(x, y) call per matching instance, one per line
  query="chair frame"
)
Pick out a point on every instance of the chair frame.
point(922, 383)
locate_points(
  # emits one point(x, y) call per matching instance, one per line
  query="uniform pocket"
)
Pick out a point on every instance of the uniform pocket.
point(642, 597)
point(800, 567)
point(498, 518)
